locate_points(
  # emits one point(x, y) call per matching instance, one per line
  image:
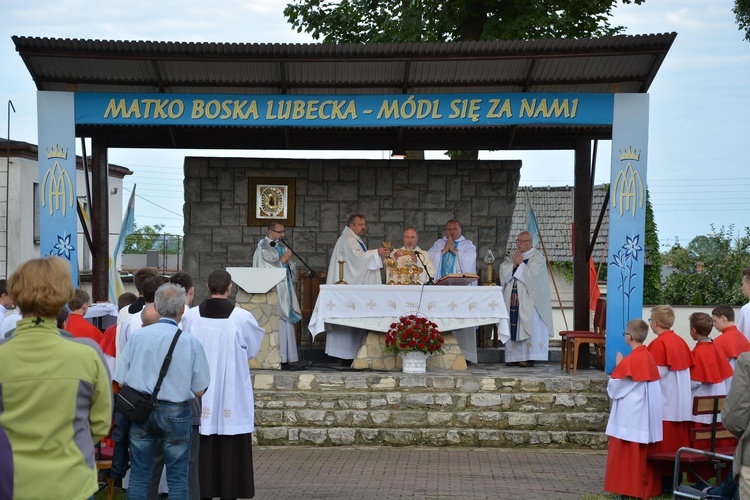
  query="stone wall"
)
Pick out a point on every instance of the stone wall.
point(392, 194)
point(435, 409)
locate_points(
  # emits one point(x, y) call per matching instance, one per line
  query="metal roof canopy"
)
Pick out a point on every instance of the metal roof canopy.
point(619, 64)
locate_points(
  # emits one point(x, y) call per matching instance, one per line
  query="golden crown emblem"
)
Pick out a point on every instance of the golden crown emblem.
point(630, 154)
point(57, 152)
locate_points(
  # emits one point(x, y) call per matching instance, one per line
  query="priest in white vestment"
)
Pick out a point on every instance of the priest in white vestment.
point(453, 253)
point(230, 337)
point(361, 267)
point(272, 253)
point(525, 282)
point(411, 255)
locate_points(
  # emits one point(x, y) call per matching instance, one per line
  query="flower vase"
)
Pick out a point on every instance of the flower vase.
point(414, 361)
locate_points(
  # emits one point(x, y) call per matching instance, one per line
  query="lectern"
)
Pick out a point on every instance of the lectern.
point(257, 294)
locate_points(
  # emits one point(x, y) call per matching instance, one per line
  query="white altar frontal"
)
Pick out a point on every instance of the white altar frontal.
point(372, 308)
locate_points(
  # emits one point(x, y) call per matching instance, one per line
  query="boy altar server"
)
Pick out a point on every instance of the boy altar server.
point(711, 369)
point(674, 359)
point(731, 343)
point(635, 418)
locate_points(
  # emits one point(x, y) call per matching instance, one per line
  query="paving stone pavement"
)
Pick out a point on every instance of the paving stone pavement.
point(369, 473)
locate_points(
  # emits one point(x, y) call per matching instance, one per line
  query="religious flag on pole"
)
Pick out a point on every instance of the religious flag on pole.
point(594, 291)
point(531, 223)
point(116, 287)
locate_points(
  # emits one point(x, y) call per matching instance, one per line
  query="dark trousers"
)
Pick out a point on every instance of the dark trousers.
point(193, 478)
point(120, 457)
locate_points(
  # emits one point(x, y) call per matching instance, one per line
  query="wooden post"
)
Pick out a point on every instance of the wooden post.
point(100, 220)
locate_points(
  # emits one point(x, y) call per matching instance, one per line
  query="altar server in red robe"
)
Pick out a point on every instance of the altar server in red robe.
point(634, 420)
point(708, 377)
point(731, 343)
point(711, 369)
point(674, 359)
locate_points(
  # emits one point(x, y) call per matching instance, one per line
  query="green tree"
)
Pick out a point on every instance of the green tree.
point(391, 21)
point(709, 269)
point(742, 13)
point(143, 239)
point(652, 269)
point(360, 21)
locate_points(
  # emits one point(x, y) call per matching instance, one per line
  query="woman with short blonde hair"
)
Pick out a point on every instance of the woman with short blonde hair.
point(40, 287)
point(54, 390)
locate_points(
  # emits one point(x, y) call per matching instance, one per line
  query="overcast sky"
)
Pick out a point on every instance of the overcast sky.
point(700, 100)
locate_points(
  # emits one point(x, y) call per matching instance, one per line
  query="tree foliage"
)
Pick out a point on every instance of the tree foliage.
point(708, 271)
point(146, 238)
point(652, 269)
point(742, 13)
point(360, 21)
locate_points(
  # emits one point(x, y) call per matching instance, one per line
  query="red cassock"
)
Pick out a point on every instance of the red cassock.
point(80, 328)
point(628, 472)
point(711, 366)
point(109, 340)
point(731, 343)
point(711, 369)
point(668, 349)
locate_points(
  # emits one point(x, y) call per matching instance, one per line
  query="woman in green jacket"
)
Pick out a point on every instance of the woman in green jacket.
point(56, 397)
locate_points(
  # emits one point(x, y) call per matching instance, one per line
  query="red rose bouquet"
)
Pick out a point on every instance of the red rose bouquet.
point(412, 333)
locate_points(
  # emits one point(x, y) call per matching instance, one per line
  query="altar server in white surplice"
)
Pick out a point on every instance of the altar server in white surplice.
point(230, 336)
point(635, 418)
point(361, 267)
point(453, 253)
point(272, 253)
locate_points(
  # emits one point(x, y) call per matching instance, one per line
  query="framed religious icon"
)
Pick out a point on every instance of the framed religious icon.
point(270, 198)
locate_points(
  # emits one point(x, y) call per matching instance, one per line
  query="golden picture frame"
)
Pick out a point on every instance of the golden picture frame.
point(270, 198)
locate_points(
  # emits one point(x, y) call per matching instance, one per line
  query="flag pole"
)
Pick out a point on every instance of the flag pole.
point(549, 265)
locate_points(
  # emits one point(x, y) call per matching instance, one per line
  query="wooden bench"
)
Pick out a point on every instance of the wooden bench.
point(691, 455)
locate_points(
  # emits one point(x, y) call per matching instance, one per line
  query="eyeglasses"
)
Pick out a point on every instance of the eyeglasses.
point(650, 320)
point(280, 232)
point(523, 241)
point(627, 333)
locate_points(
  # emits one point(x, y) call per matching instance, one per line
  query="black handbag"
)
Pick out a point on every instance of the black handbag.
point(136, 405)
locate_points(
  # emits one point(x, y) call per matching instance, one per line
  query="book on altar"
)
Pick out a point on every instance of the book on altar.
point(458, 279)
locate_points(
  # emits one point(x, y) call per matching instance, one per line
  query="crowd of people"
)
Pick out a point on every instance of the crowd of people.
point(59, 373)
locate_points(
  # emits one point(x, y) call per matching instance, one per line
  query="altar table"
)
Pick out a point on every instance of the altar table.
point(375, 307)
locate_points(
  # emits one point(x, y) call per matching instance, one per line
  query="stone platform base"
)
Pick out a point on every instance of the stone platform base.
point(485, 406)
point(372, 355)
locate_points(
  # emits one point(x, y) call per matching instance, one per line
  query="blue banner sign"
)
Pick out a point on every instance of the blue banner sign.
point(426, 110)
point(58, 218)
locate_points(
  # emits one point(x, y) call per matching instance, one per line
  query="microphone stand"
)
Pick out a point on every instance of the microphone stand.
point(310, 273)
point(430, 281)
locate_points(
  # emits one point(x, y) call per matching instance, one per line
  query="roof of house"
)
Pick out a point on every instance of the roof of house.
point(20, 149)
point(553, 208)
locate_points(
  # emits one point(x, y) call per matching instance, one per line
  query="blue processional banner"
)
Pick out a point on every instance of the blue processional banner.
point(426, 110)
point(58, 218)
point(627, 219)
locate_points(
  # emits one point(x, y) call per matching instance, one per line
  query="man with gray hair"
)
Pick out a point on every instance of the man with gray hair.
point(187, 377)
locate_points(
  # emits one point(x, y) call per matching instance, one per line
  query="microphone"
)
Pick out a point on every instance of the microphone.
point(417, 252)
point(273, 243)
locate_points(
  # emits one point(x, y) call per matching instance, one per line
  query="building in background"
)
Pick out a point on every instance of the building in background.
point(19, 205)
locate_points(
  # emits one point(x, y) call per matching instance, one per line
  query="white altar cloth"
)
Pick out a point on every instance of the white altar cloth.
point(375, 307)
